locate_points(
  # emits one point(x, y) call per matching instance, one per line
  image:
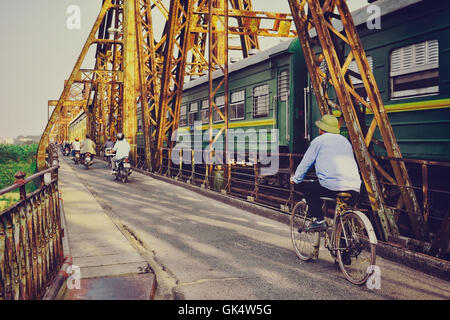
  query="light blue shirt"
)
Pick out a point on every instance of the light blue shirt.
point(335, 164)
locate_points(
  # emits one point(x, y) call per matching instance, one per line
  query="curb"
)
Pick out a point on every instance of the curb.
point(419, 261)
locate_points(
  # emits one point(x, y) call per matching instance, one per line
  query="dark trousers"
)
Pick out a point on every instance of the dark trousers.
point(313, 191)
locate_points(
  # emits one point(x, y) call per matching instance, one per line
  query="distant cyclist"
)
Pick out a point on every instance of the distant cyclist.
point(336, 169)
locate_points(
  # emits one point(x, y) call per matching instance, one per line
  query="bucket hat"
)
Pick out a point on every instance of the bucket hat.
point(328, 123)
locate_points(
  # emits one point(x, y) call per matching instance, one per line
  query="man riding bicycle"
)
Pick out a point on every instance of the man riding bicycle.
point(336, 169)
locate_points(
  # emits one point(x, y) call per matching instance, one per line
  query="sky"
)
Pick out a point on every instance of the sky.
point(39, 51)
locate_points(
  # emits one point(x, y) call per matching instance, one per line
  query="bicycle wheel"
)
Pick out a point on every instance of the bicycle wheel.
point(355, 252)
point(305, 243)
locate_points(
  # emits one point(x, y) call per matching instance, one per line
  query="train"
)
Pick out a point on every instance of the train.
point(410, 58)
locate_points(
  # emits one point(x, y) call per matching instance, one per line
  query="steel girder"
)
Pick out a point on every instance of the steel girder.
point(94, 77)
point(131, 64)
point(152, 71)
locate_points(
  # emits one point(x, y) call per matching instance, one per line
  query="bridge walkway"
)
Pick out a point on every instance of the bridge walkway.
point(109, 266)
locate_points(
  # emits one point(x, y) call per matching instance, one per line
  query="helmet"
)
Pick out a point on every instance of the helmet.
point(76, 139)
point(120, 136)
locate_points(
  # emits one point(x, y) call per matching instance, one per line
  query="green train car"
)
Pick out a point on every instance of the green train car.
point(410, 58)
point(265, 93)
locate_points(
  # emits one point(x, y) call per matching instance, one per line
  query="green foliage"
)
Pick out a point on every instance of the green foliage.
point(18, 153)
point(14, 158)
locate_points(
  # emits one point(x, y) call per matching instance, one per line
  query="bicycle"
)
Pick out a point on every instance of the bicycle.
point(350, 238)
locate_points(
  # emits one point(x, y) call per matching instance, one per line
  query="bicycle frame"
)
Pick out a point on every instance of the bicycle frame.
point(338, 213)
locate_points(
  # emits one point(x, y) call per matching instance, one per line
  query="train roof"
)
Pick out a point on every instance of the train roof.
point(360, 17)
point(244, 63)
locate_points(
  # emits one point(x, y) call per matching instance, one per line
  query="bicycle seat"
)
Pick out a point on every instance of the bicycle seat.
point(344, 195)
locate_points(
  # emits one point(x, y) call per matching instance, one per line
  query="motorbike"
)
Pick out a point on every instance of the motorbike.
point(76, 157)
point(87, 160)
point(123, 170)
point(109, 154)
point(66, 151)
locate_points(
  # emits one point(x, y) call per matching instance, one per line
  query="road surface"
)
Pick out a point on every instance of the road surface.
point(203, 249)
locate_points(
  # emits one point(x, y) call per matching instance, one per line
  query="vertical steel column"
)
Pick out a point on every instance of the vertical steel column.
point(131, 77)
point(148, 75)
point(218, 57)
point(173, 71)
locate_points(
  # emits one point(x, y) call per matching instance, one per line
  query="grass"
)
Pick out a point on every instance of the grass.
point(8, 200)
point(12, 159)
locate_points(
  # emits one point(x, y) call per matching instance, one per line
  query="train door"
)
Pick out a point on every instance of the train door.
point(282, 109)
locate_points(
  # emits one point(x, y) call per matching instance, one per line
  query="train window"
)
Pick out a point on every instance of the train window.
point(283, 85)
point(261, 101)
point(357, 83)
point(193, 113)
point(183, 119)
point(205, 111)
point(220, 104)
point(415, 70)
point(237, 106)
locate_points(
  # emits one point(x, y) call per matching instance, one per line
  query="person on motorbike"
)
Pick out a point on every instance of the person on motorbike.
point(87, 145)
point(109, 144)
point(66, 146)
point(75, 146)
point(122, 150)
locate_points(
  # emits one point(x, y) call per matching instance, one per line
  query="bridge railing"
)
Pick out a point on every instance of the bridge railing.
point(31, 250)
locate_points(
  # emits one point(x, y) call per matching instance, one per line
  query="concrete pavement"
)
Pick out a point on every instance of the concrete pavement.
point(110, 268)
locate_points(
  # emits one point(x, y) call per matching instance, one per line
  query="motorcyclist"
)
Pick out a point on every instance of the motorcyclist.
point(109, 144)
point(122, 150)
point(67, 146)
point(87, 145)
point(75, 146)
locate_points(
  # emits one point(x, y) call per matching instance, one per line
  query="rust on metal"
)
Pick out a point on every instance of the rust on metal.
point(31, 250)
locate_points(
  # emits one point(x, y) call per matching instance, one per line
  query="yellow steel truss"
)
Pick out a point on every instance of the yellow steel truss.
point(134, 65)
